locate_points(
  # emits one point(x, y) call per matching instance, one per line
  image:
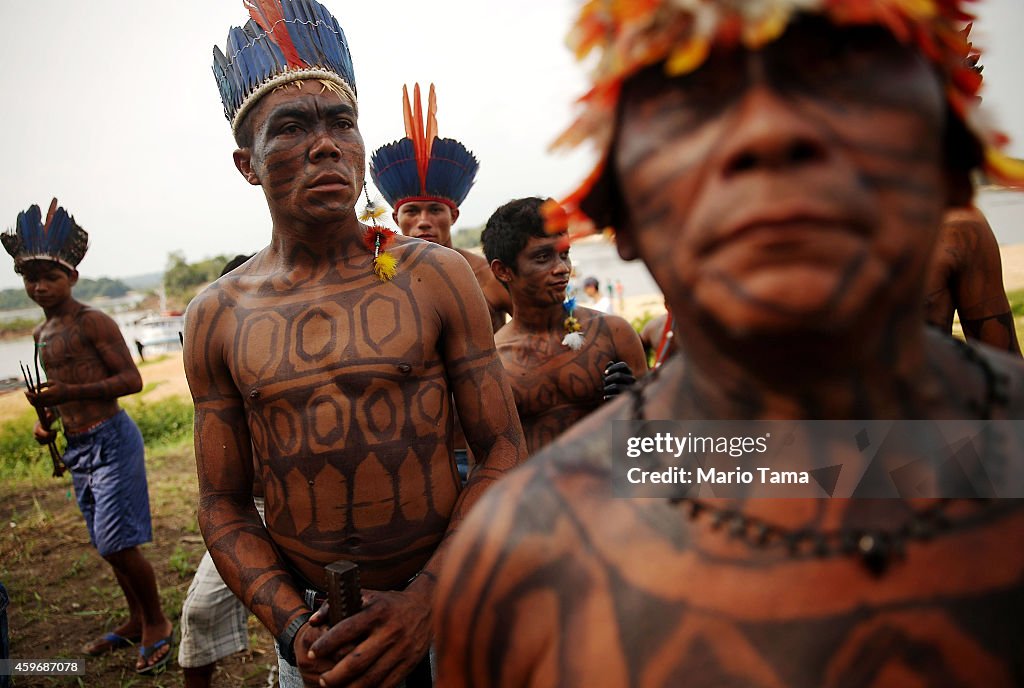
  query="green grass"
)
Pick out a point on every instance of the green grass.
point(162, 423)
point(1016, 298)
point(165, 423)
point(640, 321)
point(180, 561)
point(21, 456)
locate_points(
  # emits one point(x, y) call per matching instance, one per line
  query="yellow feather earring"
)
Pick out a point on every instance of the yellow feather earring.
point(385, 265)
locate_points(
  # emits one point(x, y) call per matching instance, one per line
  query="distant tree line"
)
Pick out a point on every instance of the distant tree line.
point(85, 290)
point(183, 280)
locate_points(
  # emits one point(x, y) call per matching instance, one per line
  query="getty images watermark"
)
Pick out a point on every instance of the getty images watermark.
point(822, 459)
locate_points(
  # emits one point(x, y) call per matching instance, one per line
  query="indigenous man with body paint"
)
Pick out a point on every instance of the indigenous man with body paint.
point(966, 278)
point(966, 275)
point(782, 168)
point(562, 360)
point(425, 179)
point(330, 360)
point(89, 367)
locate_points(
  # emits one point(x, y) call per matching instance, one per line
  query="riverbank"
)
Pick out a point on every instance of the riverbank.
point(18, 328)
point(1013, 266)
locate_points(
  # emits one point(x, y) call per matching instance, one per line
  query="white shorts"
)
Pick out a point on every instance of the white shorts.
point(214, 622)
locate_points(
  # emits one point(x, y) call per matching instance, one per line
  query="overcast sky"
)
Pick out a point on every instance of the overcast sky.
point(111, 106)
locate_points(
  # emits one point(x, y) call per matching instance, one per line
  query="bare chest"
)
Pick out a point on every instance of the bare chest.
point(66, 354)
point(308, 333)
point(770, 617)
point(321, 352)
point(544, 374)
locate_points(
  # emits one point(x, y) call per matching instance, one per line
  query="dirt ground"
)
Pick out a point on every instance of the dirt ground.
point(63, 594)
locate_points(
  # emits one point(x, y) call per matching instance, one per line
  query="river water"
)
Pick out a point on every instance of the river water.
point(20, 350)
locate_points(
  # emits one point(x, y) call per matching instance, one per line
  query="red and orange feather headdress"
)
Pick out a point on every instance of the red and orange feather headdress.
point(629, 35)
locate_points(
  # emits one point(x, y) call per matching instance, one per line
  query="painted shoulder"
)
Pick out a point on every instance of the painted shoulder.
point(88, 314)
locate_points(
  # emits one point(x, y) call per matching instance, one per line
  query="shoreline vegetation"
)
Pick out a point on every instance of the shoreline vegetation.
point(18, 328)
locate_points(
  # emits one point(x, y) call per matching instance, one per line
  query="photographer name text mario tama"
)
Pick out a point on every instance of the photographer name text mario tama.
point(675, 475)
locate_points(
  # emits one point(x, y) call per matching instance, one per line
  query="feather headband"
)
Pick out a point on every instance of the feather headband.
point(283, 41)
point(59, 239)
point(630, 35)
point(423, 167)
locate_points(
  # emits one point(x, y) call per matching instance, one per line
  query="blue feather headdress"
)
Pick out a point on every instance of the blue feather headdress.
point(423, 167)
point(59, 239)
point(283, 41)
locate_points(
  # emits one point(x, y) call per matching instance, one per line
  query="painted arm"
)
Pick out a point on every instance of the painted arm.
point(631, 360)
point(483, 398)
point(236, 537)
point(978, 294)
point(496, 622)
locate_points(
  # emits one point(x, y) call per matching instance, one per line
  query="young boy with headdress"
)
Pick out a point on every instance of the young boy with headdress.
point(332, 363)
point(88, 367)
point(782, 168)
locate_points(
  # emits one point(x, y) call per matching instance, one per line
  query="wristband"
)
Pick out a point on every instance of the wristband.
point(286, 641)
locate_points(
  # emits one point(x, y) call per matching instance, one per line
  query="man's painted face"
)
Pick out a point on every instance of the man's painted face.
point(791, 189)
point(46, 282)
point(307, 153)
point(542, 271)
point(428, 220)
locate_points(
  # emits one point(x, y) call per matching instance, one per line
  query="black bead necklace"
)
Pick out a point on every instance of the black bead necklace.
point(875, 548)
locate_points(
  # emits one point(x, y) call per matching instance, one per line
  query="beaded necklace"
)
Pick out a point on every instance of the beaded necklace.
point(875, 548)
